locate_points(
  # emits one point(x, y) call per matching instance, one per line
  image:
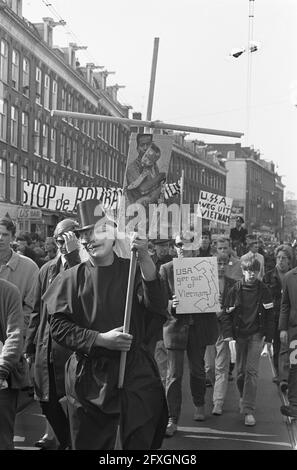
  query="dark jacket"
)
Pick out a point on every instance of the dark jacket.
point(273, 282)
point(288, 313)
point(86, 300)
point(204, 253)
point(176, 328)
point(39, 341)
point(13, 366)
point(232, 311)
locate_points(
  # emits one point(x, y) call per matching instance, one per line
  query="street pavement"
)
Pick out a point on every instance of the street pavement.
point(272, 431)
point(30, 424)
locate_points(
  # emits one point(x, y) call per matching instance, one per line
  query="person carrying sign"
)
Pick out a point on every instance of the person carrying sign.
point(185, 332)
point(87, 306)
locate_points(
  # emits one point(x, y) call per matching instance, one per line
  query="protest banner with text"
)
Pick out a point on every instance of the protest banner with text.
point(65, 198)
point(215, 207)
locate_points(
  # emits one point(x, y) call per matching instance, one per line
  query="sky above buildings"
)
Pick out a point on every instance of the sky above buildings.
point(197, 83)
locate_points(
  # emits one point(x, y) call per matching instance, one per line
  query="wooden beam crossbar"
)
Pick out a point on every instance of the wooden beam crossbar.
point(140, 123)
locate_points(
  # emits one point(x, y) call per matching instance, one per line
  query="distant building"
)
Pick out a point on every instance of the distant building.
point(290, 219)
point(36, 77)
point(256, 189)
point(202, 170)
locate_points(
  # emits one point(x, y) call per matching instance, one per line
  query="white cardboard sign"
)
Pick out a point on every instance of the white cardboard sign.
point(215, 207)
point(196, 285)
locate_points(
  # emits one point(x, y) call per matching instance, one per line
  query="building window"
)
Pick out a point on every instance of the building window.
point(26, 77)
point(14, 126)
point(37, 126)
point(53, 144)
point(98, 161)
point(46, 91)
point(3, 120)
point(54, 94)
point(15, 70)
point(38, 85)
point(52, 180)
point(91, 172)
point(86, 161)
point(43, 177)
point(13, 182)
point(24, 173)
point(75, 109)
point(4, 61)
point(109, 163)
point(105, 165)
point(69, 102)
point(117, 137)
point(45, 141)
point(115, 169)
point(68, 152)
point(35, 176)
point(2, 179)
point(25, 131)
point(62, 148)
point(92, 129)
point(63, 101)
point(74, 154)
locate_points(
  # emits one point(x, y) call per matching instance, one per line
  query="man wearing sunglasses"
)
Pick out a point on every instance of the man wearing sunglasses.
point(190, 333)
point(50, 358)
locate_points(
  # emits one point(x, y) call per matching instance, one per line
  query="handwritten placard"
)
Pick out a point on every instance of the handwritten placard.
point(215, 207)
point(196, 284)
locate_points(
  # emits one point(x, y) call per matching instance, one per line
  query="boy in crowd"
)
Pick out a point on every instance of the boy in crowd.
point(249, 319)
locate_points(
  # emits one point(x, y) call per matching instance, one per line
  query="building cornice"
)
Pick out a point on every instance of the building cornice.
point(252, 161)
point(13, 25)
point(196, 159)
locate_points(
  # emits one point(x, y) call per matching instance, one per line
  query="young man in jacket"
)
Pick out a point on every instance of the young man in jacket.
point(249, 319)
point(275, 281)
point(50, 358)
point(217, 356)
point(288, 337)
point(17, 269)
point(11, 345)
point(191, 333)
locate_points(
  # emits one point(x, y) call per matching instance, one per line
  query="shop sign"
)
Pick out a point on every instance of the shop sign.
point(28, 213)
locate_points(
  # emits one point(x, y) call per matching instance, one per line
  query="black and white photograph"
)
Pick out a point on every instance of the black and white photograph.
point(136, 137)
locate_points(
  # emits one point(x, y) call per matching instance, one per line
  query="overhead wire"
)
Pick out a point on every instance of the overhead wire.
point(59, 18)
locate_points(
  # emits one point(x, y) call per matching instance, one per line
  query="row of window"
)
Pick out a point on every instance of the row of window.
point(45, 145)
point(13, 125)
point(106, 166)
point(200, 175)
point(46, 89)
point(39, 130)
point(12, 180)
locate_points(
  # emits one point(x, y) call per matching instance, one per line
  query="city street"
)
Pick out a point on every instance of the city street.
point(226, 432)
point(148, 209)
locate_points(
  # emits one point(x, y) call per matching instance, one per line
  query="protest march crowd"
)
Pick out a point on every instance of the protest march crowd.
point(62, 335)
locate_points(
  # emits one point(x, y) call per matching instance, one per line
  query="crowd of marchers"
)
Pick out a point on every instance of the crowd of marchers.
point(62, 306)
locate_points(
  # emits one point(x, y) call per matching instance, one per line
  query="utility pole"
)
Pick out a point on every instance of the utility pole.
point(249, 69)
point(152, 81)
